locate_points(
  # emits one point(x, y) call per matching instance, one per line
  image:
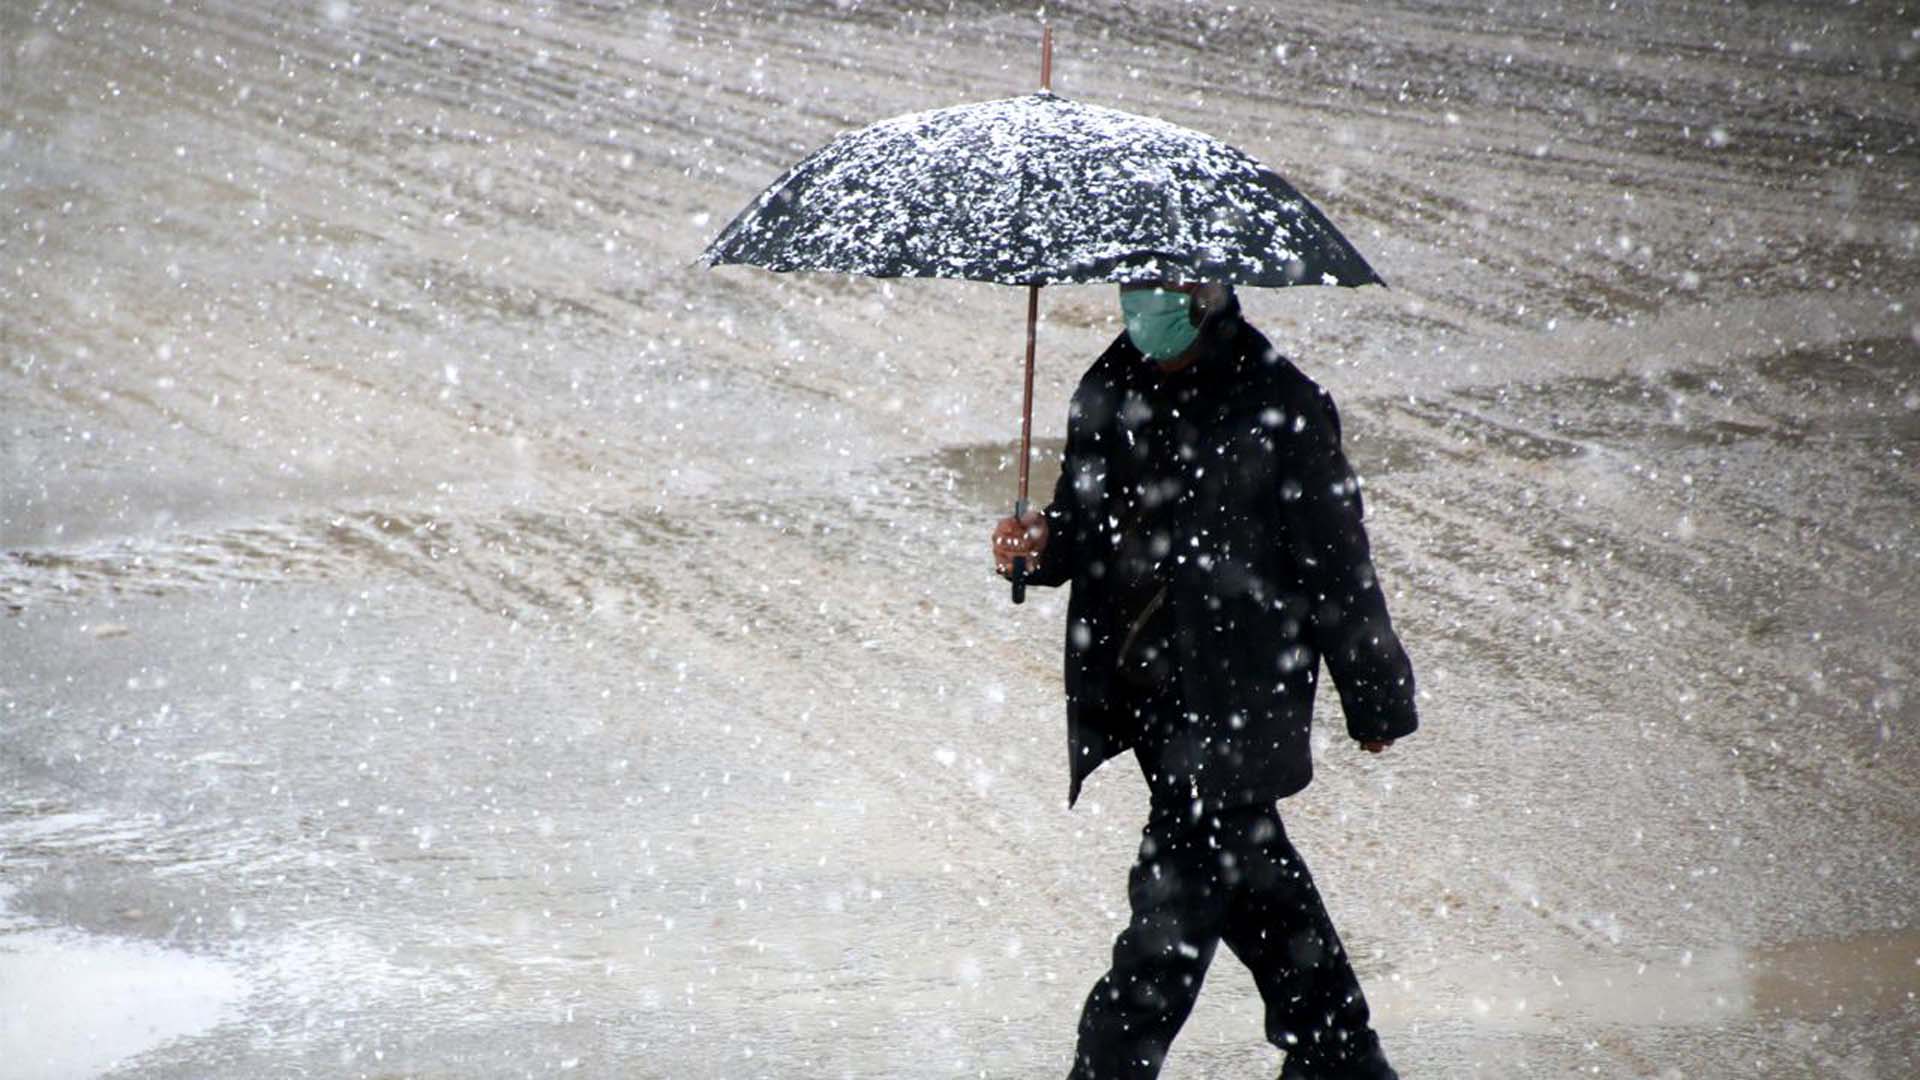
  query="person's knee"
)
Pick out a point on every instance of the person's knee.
point(1306, 950)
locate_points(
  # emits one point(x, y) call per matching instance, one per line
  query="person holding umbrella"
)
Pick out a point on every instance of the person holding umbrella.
point(1205, 518)
point(1211, 532)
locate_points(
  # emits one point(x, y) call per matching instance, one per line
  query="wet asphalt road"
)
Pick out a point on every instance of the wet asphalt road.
point(445, 633)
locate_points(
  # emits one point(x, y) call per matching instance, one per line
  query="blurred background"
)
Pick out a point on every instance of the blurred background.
point(445, 632)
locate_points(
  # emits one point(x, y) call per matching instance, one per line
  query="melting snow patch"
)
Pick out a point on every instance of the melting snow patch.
point(98, 1001)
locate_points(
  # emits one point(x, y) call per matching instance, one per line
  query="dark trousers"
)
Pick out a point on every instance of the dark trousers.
point(1229, 877)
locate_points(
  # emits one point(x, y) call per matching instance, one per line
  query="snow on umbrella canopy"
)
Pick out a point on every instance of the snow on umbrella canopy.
point(1039, 190)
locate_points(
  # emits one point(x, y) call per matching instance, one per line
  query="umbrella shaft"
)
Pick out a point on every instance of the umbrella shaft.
point(1026, 397)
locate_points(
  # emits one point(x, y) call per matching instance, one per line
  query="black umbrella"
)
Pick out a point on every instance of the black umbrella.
point(1039, 190)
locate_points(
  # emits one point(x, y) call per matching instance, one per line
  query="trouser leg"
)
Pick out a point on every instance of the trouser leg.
point(1276, 924)
point(1159, 960)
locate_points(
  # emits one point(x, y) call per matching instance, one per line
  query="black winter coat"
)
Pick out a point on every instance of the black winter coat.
point(1269, 571)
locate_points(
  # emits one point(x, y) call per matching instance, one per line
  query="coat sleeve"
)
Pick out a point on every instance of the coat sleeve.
point(1320, 500)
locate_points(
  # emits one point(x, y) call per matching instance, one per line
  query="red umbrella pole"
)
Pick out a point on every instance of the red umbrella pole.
point(1026, 439)
point(1026, 396)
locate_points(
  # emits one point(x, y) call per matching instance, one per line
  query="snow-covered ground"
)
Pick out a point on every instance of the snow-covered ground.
point(444, 632)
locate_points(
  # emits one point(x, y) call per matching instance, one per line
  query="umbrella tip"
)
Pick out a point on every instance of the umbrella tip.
point(1046, 57)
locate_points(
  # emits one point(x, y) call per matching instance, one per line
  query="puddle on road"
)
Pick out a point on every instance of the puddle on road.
point(1876, 974)
point(984, 475)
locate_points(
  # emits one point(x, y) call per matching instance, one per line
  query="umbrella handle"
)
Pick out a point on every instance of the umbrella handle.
point(1020, 561)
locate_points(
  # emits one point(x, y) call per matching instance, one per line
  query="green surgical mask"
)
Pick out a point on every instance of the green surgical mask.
point(1158, 321)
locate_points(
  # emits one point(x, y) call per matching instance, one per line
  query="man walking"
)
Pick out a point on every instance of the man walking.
point(1211, 531)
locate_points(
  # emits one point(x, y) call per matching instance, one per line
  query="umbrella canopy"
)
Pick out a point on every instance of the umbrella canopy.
point(1034, 191)
point(1039, 190)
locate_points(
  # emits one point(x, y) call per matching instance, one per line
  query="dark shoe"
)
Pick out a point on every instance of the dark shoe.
point(1370, 1065)
point(1364, 1071)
